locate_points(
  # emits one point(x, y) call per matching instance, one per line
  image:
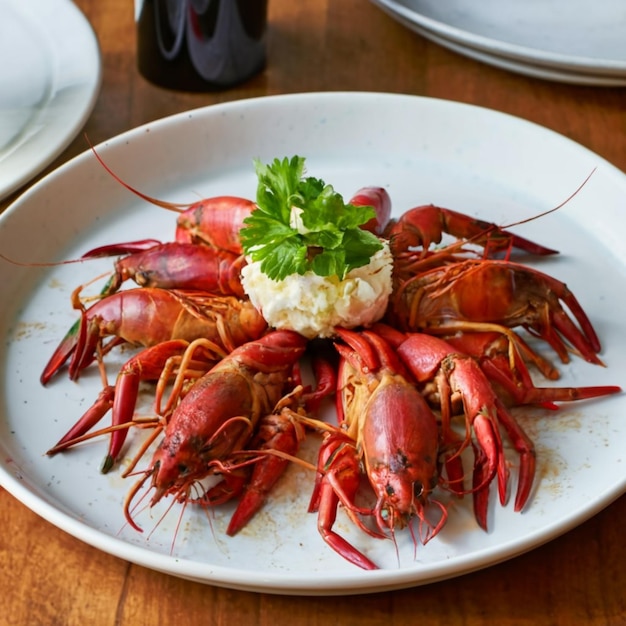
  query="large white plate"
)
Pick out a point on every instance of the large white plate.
point(49, 80)
point(580, 36)
point(422, 151)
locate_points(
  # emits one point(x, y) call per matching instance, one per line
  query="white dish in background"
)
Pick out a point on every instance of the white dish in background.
point(49, 80)
point(582, 36)
point(422, 150)
point(505, 63)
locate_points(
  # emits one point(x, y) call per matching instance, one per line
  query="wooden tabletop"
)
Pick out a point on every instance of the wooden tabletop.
point(48, 577)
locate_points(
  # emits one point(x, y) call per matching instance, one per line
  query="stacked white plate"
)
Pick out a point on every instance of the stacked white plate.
point(572, 41)
point(50, 73)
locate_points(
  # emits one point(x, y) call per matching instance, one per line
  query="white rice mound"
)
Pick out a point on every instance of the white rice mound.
point(314, 305)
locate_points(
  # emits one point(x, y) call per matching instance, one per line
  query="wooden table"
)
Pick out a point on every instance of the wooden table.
point(48, 577)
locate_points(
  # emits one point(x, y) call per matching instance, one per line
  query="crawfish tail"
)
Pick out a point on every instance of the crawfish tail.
point(377, 198)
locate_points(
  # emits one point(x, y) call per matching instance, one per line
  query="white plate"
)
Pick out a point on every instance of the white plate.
point(503, 62)
point(581, 36)
point(422, 151)
point(49, 80)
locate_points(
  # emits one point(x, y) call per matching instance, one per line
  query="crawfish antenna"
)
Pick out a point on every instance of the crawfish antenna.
point(557, 207)
point(170, 206)
point(42, 264)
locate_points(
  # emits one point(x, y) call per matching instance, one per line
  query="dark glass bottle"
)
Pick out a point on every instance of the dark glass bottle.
point(201, 45)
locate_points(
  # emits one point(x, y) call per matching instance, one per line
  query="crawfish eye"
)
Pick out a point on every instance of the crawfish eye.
point(182, 469)
point(143, 278)
point(418, 488)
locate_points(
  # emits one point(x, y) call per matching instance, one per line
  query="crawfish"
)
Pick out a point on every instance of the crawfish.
point(173, 265)
point(425, 225)
point(251, 474)
point(215, 222)
point(207, 254)
point(388, 426)
point(149, 316)
point(219, 415)
point(473, 294)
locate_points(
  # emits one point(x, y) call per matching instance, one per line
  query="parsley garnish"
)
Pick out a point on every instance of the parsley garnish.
point(329, 241)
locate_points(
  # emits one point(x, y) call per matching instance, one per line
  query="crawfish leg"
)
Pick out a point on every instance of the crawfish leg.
point(451, 444)
point(90, 418)
point(147, 365)
point(338, 482)
point(483, 411)
point(329, 501)
point(524, 446)
point(488, 459)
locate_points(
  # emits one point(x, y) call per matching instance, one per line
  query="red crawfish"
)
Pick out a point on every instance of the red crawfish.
point(173, 265)
point(220, 414)
point(149, 316)
point(214, 221)
point(504, 359)
point(386, 426)
point(207, 254)
point(411, 238)
point(250, 475)
point(473, 294)
point(425, 225)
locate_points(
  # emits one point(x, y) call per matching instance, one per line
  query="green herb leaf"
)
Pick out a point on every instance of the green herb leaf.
point(301, 224)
